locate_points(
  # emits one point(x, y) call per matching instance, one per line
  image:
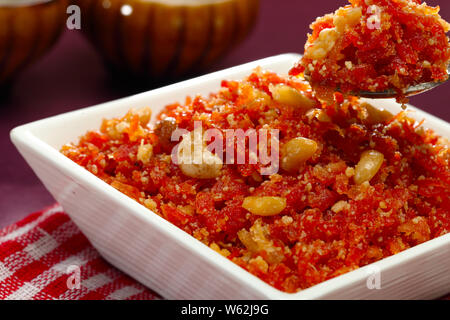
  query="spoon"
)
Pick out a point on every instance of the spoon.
point(411, 91)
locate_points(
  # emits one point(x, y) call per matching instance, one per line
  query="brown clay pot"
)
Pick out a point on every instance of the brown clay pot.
point(28, 28)
point(166, 38)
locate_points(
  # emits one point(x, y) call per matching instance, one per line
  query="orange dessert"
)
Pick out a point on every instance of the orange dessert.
point(375, 45)
point(355, 184)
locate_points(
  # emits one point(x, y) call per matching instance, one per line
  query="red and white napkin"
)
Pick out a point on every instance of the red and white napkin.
point(45, 256)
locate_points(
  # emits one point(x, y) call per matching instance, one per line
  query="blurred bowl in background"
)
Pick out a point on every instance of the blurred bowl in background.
point(158, 39)
point(28, 28)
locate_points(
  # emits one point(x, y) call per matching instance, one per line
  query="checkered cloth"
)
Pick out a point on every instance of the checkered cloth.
point(45, 256)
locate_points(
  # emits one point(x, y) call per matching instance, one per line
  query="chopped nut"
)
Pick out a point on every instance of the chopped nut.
point(287, 220)
point(150, 204)
point(347, 18)
point(319, 114)
point(296, 151)
point(368, 166)
point(376, 115)
point(260, 263)
point(145, 152)
point(323, 44)
point(257, 239)
point(289, 96)
point(339, 206)
point(217, 248)
point(426, 64)
point(189, 210)
point(264, 206)
point(122, 126)
point(195, 160)
point(350, 172)
point(145, 114)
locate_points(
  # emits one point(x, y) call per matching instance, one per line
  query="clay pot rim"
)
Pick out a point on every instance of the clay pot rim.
point(175, 3)
point(22, 3)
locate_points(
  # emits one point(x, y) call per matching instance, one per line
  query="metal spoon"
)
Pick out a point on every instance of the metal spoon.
point(411, 91)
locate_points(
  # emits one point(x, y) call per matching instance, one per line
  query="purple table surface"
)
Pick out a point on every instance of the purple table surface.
point(72, 76)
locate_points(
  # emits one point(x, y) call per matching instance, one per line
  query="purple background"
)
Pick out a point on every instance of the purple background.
point(72, 76)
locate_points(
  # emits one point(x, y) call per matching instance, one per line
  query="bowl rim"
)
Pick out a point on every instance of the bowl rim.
point(27, 135)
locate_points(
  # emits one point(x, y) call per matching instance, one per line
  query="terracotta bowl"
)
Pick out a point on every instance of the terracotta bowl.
point(166, 38)
point(28, 28)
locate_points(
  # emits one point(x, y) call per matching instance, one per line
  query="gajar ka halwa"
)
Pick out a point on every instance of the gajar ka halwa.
point(355, 184)
point(375, 45)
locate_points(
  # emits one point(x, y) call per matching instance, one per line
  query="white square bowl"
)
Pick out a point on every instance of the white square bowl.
point(171, 262)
